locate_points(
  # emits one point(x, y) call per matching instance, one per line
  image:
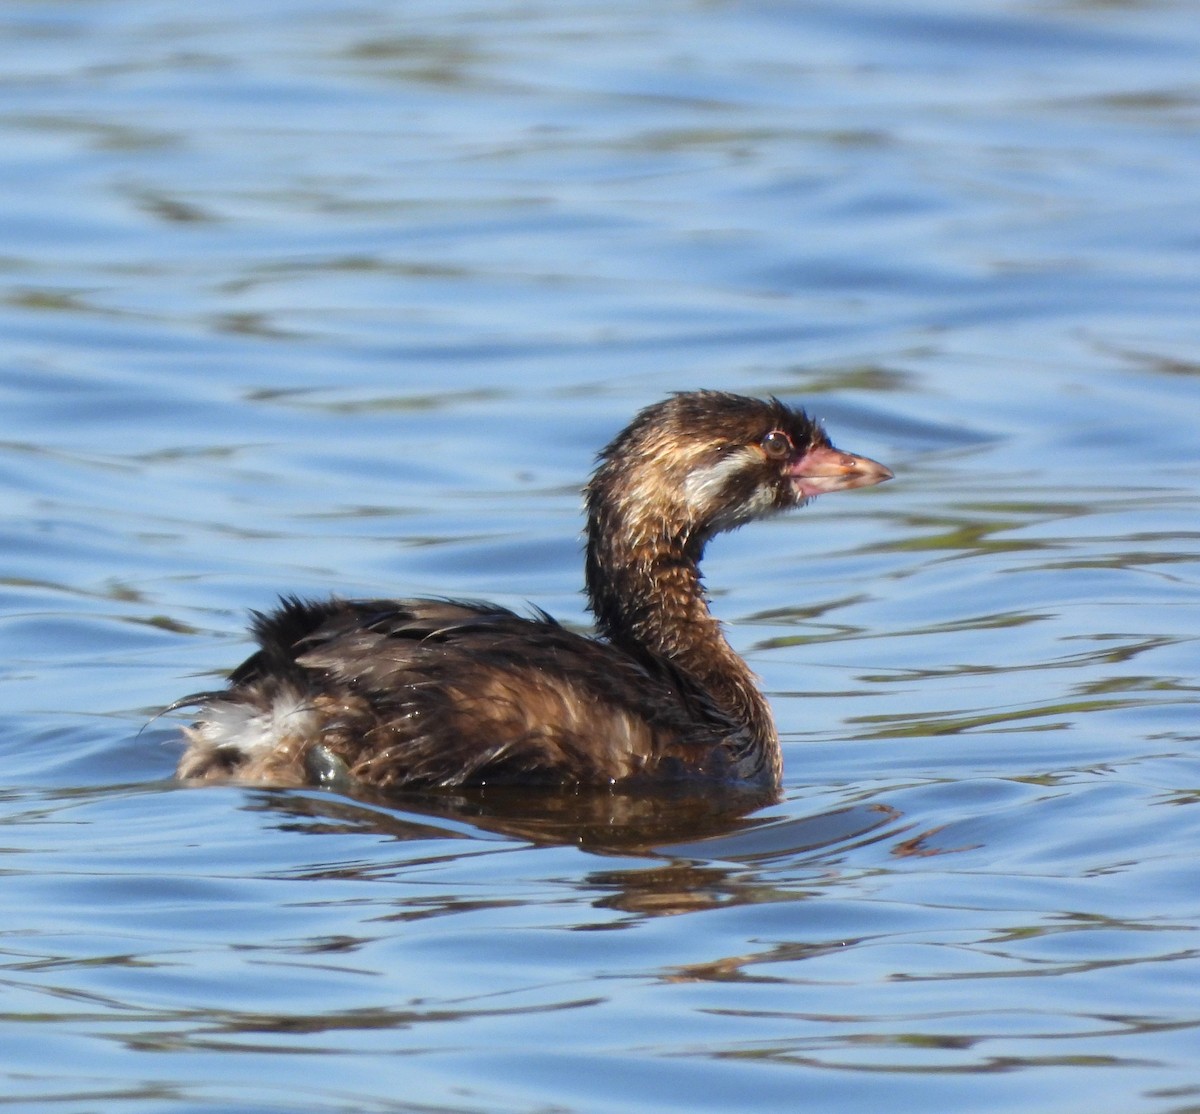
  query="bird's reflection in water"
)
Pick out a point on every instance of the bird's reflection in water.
point(698, 851)
point(624, 822)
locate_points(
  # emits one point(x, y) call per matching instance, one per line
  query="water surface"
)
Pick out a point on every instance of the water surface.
point(308, 297)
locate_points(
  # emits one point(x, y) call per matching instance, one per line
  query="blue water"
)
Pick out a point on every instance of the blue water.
point(317, 297)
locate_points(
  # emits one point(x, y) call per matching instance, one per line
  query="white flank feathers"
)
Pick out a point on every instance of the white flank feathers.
point(254, 730)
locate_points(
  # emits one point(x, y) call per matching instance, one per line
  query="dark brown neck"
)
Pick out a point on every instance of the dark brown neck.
point(647, 595)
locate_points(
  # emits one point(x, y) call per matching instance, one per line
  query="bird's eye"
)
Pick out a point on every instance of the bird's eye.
point(777, 444)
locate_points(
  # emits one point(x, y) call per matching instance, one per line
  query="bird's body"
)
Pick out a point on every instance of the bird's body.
point(440, 693)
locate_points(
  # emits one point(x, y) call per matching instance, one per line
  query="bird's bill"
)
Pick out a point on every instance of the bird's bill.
point(825, 469)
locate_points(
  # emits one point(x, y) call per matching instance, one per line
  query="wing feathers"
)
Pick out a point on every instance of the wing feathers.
point(443, 692)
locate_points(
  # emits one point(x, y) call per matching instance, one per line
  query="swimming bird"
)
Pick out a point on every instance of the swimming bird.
point(438, 693)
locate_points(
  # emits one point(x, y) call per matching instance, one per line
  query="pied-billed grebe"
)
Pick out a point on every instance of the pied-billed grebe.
point(437, 693)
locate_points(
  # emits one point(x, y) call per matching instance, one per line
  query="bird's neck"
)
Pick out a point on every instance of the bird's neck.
point(647, 595)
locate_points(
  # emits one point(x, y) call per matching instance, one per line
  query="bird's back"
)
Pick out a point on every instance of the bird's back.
point(447, 693)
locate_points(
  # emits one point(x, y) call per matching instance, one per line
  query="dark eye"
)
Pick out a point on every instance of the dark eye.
point(777, 444)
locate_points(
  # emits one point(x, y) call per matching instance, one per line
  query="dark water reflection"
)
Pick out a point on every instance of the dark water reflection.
point(659, 823)
point(594, 820)
point(311, 298)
